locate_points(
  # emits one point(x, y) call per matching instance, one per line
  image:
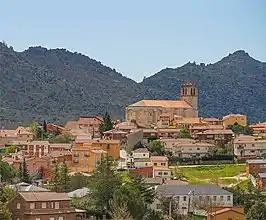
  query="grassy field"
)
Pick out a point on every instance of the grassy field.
point(225, 173)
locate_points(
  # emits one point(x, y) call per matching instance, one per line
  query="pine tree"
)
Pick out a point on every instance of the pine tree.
point(25, 177)
point(64, 178)
point(107, 123)
point(54, 183)
point(44, 126)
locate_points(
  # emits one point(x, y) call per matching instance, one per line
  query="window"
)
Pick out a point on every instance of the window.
point(229, 218)
point(158, 206)
point(228, 198)
point(160, 173)
point(56, 205)
point(184, 207)
point(214, 198)
point(43, 205)
point(32, 205)
point(61, 218)
point(221, 198)
point(198, 148)
point(165, 173)
point(200, 198)
point(143, 155)
point(52, 205)
point(155, 164)
point(38, 219)
point(18, 205)
point(184, 198)
point(177, 198)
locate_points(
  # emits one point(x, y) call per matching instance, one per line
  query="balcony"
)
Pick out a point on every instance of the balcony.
point(76, 161)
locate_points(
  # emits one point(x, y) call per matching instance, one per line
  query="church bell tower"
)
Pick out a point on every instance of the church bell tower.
point(189, 93)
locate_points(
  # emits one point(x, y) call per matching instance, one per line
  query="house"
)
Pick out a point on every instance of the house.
point(186, 122)
point(149, 133)
point(112, 147)
point(259, 130)
point(165, 120)
point(141, 157)
point(261, 181)
point(161, 172)
point(215, 136)
point(115, 134)
point(255, 166)
point(85, 158)
point(168, 132)
point(169, 143)
point(147, 112)
point(60, 147)
point(26, 187)
point(126, 126)
point(43, 205)
point(38, 148)
point(193, 149)
point(201, 128)
point(232, 119)
point(85, 124)
point(246, 146)
point(79, 193)
point(160, 161)
point(146, 172)
point(225, 213)
point(194, 197)
point(20, 134)
point(213, 121)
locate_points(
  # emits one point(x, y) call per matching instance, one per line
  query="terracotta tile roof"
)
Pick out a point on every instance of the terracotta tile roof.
point(189, 120)
point(165, 115)
point(161, 168)
point(211, 119)
point(207, 127)
point(218, 212)
point(160, 158)
point(222, 131)
point(149, 130)
point(44, 196)
point(168, 130)
point(198, 144)
point(162, 103)
point(141, 150)
point(177, 140)
point(39, 143)
point(259, 125)
point(115, 131)
point(71, 125)
point(233, 115)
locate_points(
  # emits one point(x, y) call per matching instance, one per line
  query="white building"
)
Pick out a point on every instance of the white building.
point(195, 198)
point(141, 157)
point(162, 172)
point(245, 146)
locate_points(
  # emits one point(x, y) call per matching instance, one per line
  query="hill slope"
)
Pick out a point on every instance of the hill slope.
point(58, 85)
point(235, 84)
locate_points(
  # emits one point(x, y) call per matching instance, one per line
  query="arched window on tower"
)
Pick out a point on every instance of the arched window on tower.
point(185, 91)
point(191, 92)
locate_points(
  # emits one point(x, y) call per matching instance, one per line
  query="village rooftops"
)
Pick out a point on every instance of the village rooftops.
point(44, 196)
point(178, 140)
point(79, 192)
point(211, 119)
point(141, 150)
point(218, 212)
point(39, 143)
point(25, 187)
point(115, 131)
point(89, 141)
point(233, 115)
point(159, 158)
point(256, 161)
point(142, 160)
point(262, 175)
point(207, 127)
point(162, 103)
point(161, 168)
point(195, 189)
point(149, 130)
point(222, 131)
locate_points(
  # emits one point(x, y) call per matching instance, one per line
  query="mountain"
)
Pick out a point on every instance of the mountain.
point(235, 84)
point(58, 85)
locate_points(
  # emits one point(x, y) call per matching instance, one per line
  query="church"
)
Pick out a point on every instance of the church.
point(147, 113)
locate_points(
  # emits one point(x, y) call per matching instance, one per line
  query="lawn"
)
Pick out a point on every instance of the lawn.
point(210, 174)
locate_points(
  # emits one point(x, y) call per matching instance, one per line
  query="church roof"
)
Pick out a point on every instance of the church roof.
point(162, 103)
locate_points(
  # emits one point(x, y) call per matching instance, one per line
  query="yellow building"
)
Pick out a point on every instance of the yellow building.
point(234, 118)
point(221, 213)
point(86, 153)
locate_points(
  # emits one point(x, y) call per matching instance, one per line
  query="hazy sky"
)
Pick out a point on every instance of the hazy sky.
point(138, 37)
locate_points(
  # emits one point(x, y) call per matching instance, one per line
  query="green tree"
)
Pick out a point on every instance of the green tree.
point(11, 149)
point(119, 209)
point(64, 178)
point(60, 181)
point(107, 123)
point(4, 212)
point(44, 126)
point(25, 176)
point(184, 133)
point(156, 148)
point(61, 138)
point(240, 129)
point(78, 181)
point(257, 211)
point(7, 172)
point(6, 194)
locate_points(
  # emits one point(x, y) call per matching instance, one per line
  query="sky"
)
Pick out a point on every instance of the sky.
point(138, 38)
